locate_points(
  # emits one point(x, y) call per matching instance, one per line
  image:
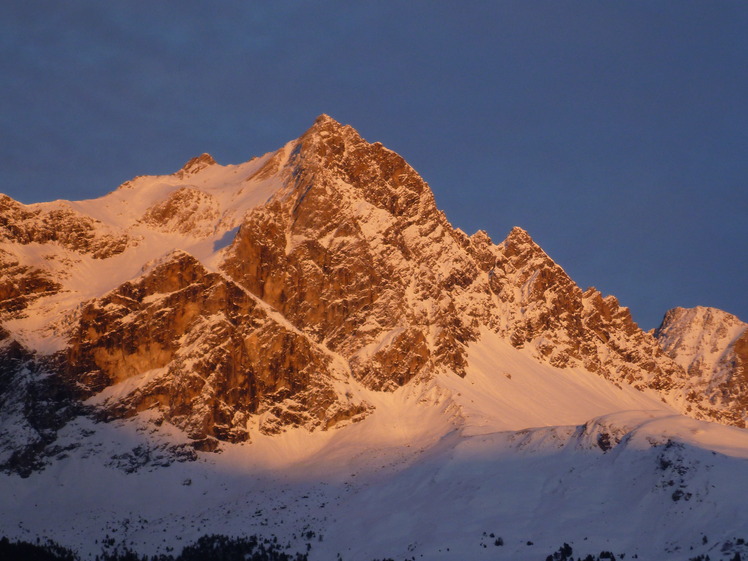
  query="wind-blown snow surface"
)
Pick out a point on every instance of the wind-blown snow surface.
point(519, 449)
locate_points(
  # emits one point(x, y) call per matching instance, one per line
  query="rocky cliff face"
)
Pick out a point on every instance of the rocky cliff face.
point(542, 307)
point(59, 225)
point(20, 284)
point(712, 346)
point(205, 353)
point(354, 252)
point(343, 277)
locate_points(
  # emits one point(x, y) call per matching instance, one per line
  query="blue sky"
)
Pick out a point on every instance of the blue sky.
point(616, 133)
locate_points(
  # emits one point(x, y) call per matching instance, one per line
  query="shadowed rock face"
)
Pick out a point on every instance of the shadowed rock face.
point(35, 404)
point(205, 354)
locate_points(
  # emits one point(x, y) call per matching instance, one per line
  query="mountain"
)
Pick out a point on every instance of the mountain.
point(308, 317)
point(712, 346)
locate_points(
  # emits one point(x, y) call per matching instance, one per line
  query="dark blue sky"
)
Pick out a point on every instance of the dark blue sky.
point(616, 133)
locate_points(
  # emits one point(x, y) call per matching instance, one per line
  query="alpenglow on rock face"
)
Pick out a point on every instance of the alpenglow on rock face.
point(712, 346)
point(209, 356)
point(237, 300)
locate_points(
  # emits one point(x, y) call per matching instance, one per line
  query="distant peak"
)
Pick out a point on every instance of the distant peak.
point(698, 315)
point(197, 164)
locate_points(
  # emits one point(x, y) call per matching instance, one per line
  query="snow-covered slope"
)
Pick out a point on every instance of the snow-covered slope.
point(302, 344)
point(442, 472)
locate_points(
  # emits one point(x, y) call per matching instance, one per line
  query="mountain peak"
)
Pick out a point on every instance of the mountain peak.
point(326, 130)
point(325, 118)
point(213, 309)
point(197, 164)
point(519, 235)
point(518, 241)
point(342, 239)
point(326, 123)
point(698, 317)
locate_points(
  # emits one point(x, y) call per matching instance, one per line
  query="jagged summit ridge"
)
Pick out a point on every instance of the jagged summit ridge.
point(285, 344)
point(336, 251)
point(304, 280)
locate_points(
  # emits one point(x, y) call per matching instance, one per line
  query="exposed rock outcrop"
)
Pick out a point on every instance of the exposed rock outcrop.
point(712, 346)
point(187, 211)
point(22, 284)
point(196, 164)
point(205, 353)
point(33, 224)
point(354, 252)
